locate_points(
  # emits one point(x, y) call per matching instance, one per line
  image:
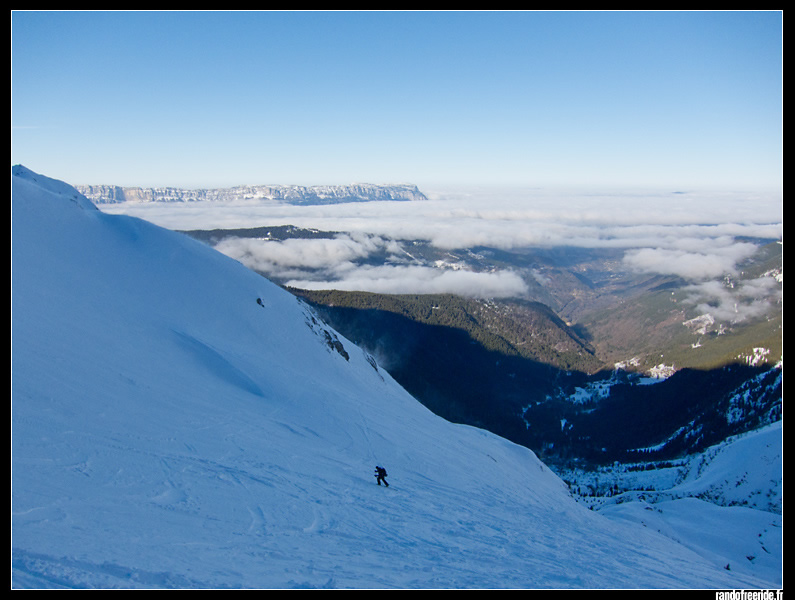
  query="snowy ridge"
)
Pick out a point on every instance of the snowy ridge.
point(178, 421)
point(707, 497)
point(743, 471)
point(288, 194)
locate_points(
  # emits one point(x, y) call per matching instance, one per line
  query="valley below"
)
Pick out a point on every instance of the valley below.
point(593, 365)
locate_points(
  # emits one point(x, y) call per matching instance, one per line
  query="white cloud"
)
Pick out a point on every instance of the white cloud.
point(731, 303)
point(696, 259)
point(693, 235)
point(270, 256)
point(422, 280)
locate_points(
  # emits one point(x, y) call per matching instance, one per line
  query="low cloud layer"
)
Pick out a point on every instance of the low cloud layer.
point(269, 256)
point(735, 303)
point(690, 258)
point(423, 280)
point(697, 236)
point(338, 263)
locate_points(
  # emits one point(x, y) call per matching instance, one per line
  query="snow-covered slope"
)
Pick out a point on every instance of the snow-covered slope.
point(725, 502)
point(179, 421)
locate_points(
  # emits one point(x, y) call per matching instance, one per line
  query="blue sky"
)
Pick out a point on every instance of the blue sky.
point(215, 99)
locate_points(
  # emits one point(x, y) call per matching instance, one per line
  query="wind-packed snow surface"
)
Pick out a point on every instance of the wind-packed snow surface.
point(170, 430)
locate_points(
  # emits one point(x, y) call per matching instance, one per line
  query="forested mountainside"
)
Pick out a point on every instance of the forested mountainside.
point(514, 368)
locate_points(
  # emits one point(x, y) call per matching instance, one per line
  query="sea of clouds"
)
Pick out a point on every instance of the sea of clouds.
point(699, 236)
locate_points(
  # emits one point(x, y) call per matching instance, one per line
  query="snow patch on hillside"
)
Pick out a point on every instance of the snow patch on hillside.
point(725, 502)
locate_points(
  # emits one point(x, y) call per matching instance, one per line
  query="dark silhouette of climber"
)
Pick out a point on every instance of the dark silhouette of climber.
point(380, 475)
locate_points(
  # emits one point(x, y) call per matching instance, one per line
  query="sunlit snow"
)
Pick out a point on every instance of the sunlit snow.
point(179, 421)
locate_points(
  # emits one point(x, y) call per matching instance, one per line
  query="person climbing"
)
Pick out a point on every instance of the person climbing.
point(380, 475)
